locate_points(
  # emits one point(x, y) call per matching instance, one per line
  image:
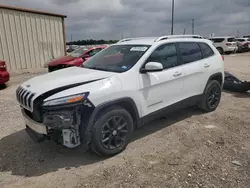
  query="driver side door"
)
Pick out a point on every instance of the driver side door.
point(162, 89)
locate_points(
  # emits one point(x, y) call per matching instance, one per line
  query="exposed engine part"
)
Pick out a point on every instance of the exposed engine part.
point(71, 138)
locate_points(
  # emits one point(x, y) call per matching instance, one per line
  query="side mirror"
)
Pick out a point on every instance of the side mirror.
point(152, 67)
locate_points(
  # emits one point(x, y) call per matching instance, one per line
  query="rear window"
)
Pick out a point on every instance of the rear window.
point(231, 39)
point(206, 50)
point(190, 51)
point(240, 40)
point(217, 40)
point(248, 39)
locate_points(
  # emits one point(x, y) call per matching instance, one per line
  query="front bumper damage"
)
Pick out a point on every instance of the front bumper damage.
point(62, 125)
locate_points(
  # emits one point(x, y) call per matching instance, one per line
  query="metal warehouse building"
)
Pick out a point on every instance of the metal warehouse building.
point(30, 38)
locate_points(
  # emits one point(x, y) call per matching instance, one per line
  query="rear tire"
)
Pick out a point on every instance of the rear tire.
point(111, 132)
point(221, 51)
point(211, 97)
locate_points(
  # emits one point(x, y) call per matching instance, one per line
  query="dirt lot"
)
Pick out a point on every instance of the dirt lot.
point(186, 149)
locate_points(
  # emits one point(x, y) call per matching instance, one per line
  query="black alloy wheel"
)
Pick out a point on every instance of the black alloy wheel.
point(214, 97)
point(211, 96)
point(114, 132)
point(111, 131)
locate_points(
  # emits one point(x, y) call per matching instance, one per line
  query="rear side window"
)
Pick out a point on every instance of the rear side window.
point(231, 39)
point(189, 51)
point(206, 50)
point(218, 40)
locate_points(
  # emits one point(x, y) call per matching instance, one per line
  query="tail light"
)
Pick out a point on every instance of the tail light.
point(228, 44)
point(222, 57)
point(2, 66)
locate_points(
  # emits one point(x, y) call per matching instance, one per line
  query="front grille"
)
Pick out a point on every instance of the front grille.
point(24, 97)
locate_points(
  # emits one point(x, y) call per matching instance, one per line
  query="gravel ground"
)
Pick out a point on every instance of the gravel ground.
point(185, 149)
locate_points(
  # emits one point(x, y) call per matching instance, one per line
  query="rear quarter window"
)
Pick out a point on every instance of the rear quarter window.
point(206, 50)
point(189, 51)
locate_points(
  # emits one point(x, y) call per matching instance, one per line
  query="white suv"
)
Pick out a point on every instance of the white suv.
point(225, 44)
point(99, 104)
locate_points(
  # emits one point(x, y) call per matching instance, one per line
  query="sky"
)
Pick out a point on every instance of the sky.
point(114, 19)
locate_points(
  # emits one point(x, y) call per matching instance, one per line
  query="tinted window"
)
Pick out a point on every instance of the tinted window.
point(166, 55)
point(241, 40)
point(117, 58)
point(248, 39)
point(190, 52)
point(217, 40)
point(206, 50)
point(231, 39)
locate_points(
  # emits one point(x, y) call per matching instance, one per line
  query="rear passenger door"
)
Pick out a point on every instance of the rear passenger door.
point(195, 69)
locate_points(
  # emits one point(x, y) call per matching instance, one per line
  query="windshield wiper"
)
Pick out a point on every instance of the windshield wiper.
point(96, 68)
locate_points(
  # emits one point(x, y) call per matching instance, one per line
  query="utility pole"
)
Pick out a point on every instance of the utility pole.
point(122, 36)
point(172, 28)
point(184, 32)
point(71, 40)
point(238, 34)
point(193, 26)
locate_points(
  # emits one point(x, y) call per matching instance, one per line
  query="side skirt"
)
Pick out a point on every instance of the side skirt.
point(192, 101)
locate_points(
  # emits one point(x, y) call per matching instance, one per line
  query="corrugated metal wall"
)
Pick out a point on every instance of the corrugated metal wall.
point(29, 40)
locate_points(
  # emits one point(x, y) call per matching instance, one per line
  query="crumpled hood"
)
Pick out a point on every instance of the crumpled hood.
point(65, 77)
point(60, 60)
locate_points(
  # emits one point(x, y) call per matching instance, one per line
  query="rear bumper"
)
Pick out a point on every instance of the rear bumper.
point(231, 49)
point(4, 77)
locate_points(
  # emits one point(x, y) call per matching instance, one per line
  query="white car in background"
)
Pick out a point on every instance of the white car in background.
point(225, 44)
point(243, 44)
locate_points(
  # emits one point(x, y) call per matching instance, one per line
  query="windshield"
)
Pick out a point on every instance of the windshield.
point(117, 58)
point(78, 52)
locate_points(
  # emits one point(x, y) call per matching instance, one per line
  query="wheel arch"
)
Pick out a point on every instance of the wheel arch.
point(217, 76)
point(126, 103)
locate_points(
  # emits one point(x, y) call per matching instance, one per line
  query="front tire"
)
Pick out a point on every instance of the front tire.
point(211, 97)
point(111, 132)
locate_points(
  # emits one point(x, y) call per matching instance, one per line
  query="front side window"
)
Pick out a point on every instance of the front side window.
point(117, 58)
point(166, 55)
point(189, 51)
point(206, 50)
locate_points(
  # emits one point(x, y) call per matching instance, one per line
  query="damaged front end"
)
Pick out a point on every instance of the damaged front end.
point(63, 120)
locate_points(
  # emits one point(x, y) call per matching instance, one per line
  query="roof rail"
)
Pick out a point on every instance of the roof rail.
point(177, 36)
point(128, 39)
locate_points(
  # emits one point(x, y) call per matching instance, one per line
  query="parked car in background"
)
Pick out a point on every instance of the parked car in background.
point(75, 58)
point(243, 44)
point(4, 74)
point(225, 44)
